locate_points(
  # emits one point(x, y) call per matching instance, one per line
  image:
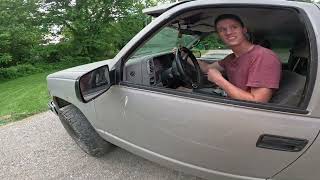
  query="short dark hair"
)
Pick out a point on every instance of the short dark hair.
point(228, 16)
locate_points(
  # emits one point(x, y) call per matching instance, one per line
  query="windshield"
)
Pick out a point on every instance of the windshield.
point(165, 41)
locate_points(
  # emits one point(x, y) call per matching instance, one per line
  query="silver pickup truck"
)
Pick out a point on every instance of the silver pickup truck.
point(132, 100)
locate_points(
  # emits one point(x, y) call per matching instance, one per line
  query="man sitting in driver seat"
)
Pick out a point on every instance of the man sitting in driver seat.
point(253, 71)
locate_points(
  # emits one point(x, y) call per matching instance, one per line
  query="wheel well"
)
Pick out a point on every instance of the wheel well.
point(60, 102)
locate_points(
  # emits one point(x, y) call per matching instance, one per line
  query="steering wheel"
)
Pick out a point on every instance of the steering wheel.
point(189, 74)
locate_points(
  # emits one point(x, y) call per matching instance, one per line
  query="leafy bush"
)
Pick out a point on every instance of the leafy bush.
point(211, 42)
point(65, 34)
point(50, 53)
point(5, 58)
point(18, 71)
point(64, 63)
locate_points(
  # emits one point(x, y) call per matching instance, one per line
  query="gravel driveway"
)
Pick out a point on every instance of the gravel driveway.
point(39, 148)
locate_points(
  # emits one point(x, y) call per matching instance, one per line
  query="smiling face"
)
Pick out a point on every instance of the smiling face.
point(231, 32)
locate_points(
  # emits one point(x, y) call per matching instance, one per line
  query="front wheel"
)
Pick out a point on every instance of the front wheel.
point(82, 132)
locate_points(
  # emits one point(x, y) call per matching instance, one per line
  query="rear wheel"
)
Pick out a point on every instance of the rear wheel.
point(82, 132)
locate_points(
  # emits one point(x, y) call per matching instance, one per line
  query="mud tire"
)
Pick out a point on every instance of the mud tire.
point(82, 132)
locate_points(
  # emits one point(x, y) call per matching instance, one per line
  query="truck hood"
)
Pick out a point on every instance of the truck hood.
point(75, 72)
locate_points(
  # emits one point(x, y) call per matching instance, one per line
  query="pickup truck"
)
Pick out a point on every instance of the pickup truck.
point(132, 100)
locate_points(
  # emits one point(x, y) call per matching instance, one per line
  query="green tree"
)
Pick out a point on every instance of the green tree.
point(95, 28)
point(18, 31)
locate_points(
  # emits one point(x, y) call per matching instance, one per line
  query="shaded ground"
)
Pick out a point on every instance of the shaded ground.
point(39, 148)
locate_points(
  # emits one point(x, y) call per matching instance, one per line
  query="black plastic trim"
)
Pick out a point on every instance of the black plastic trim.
point(219, 99)
point(112, 77)
point(77, 85)
point(77, 90)
point(313, 61)
point(281, 143)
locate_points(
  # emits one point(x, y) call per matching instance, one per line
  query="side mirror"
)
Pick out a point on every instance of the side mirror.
point(93, 84)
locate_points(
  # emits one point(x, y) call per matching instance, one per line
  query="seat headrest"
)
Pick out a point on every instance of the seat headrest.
point(300, 51)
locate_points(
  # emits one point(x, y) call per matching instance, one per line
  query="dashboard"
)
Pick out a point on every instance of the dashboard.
point(148, 70)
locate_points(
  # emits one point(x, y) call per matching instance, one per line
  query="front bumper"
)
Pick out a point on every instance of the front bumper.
point(53, 108)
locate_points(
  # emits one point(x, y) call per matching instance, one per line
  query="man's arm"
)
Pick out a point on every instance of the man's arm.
point(256, 94)
point(205, 66)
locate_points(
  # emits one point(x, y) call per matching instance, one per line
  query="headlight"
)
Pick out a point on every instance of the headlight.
point(93, 84)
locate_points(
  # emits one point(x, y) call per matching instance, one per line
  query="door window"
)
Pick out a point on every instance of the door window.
point(153, 64)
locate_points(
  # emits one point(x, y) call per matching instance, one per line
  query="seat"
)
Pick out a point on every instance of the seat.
point(298, 60)
point(293, 79)
point(290, 90)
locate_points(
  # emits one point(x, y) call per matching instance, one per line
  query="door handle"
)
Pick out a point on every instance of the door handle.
point(281, 143)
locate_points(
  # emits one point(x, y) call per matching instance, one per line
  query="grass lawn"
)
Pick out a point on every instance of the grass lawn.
point(23, 97)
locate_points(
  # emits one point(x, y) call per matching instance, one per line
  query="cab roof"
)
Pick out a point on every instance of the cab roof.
point(158, 10)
